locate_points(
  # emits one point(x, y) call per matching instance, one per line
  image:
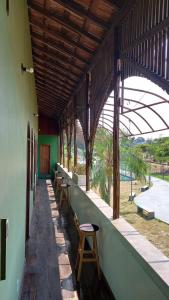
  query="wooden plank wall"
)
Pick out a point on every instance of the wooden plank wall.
point(144, 42)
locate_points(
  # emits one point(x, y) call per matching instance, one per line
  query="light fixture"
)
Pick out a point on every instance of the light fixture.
point(7, 7)
point(28, 70)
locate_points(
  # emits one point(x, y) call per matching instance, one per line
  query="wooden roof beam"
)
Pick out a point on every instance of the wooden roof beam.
point(52, 107)
point(53, 80)
point(51, 89)
point(79, 10)
point(57, 71)
point(114, 3)
point(45, 109)
point(55, 46)
point(63, 21)
point(117, 18)
point(49, 94)
point(56, 49)
point(46, 98)
point(52, 85)
point(43, 101)
point(55, 64)
point(54, 56)
point(49, 85)
point(61, 37)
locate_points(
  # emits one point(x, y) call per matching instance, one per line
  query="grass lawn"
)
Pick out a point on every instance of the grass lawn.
point(155, 231)
point(165, 177)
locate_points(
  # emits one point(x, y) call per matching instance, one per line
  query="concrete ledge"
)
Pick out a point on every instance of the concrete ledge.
point(133, 267)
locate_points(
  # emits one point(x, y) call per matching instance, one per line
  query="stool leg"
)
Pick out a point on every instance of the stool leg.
point(81, 257)
point(61, 197)
point(64, 197)
point(57, 188)
point(78, 251)
point(96, 254)
point(77, 260)
point(67, 196)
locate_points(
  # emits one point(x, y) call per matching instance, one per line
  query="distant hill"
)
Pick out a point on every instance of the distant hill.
point(139, 140)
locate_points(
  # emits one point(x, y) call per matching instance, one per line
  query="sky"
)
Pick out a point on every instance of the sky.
point(135, 121)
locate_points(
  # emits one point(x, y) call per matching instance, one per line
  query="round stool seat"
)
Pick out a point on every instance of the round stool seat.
point(64, 185)
point(58, 172)
point(89, 227)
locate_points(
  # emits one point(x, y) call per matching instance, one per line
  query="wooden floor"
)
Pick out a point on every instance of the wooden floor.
point(51, 255)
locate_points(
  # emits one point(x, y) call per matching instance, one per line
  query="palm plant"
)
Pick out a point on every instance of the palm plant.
point(102, 171)
point(133, 159)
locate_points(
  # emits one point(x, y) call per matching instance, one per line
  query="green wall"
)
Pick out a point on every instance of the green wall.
point(51, 140)
point(17, 105)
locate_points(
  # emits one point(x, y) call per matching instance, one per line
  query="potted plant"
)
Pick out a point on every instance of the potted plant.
point(79, 174)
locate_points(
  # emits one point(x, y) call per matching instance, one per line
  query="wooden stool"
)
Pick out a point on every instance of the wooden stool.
point(64, 195)
point(87, 230)
point(77, 224)
point(59, 180)
point(55, 177)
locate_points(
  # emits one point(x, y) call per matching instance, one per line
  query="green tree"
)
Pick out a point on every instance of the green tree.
point(134, 162)
point(102, 171)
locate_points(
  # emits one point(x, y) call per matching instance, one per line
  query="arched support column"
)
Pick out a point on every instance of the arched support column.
point(63, 151)
point(75, 144)
point(87, 132)
point(69, 140)
point(60, 146)
point(116, 150)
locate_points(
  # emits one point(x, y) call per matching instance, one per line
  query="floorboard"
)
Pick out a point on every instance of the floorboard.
point(51, 255)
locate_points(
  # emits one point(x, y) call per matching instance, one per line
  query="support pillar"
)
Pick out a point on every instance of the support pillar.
point(116, 150)
point(69, 140)
point(88, 154)
point(63, 150)
point(75, 144)
point(60, 147)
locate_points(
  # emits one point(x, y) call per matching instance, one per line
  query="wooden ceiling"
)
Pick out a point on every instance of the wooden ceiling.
point(66, 35)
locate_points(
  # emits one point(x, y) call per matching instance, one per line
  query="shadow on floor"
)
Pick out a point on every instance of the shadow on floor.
point(51, 255)
point(89, 286)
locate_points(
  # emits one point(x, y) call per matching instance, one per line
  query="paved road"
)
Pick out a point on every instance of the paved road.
point(157, 199)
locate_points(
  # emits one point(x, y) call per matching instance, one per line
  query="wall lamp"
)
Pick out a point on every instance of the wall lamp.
point(28, 70)
point(36, 115)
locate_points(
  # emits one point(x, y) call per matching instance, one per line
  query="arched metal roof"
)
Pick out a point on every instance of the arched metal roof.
point(144, 108)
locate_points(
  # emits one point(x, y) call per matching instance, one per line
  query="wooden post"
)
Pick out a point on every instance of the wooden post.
point(68, 150)
point(69, 141)
point(63, 149)
point(75, 145)
point(60, 148)
point(68, 155)
point(116, 151)
point(87, 142)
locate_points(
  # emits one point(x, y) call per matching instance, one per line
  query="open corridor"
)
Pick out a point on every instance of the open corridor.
point(51, 255)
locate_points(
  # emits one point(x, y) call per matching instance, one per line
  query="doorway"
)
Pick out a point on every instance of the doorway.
point(45, 159)
point(28, 184)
